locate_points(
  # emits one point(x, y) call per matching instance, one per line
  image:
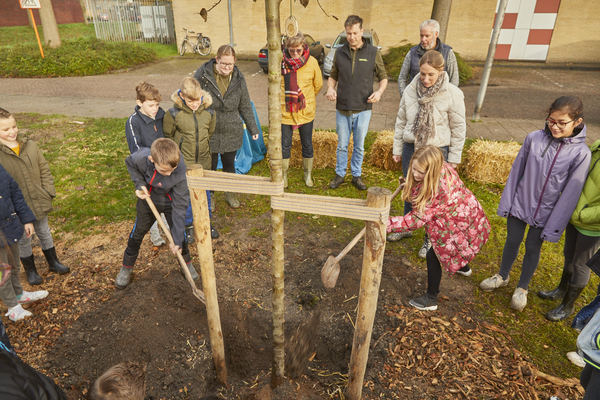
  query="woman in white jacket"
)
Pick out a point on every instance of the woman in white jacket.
point(432, 112)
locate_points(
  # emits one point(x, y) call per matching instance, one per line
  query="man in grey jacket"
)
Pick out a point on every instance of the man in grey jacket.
point(430, 30)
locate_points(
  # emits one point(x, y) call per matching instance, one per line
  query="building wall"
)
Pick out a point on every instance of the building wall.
point(395, 21)
point(65, 11)
point(576, 36)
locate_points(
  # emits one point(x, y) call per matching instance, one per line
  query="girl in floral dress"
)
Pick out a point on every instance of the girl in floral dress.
point(452, 216)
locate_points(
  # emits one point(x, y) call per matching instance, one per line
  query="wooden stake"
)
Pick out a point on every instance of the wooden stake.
point(209, 283)
point(375, 238)
point(37, 35)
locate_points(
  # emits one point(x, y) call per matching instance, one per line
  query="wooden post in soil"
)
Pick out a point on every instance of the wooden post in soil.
point(207, 270)
point(277, 216)
point(370, 279)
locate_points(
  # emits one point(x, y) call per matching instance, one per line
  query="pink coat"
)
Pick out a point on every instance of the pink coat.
point(455, 221)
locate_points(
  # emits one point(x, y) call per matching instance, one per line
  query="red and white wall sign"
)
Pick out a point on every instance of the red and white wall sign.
point(527, 29)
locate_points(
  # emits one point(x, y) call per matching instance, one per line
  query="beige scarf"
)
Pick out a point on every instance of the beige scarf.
point(424, 127)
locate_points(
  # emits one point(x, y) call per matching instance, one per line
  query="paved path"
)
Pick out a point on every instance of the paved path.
point(515, 103)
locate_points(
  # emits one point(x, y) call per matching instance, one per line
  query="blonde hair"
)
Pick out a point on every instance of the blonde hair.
point(146, 91)
point(295, 41)
point(125, 381)
point(433, 58)
point(165, 152)
point(191, 88)
point(431, 159)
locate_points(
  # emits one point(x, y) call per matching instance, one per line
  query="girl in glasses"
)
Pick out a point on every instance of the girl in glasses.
point(542, 190)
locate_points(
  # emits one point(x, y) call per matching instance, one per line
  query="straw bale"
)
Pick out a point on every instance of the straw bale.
point(324, 149)
point(381, 152)
point(489, 161)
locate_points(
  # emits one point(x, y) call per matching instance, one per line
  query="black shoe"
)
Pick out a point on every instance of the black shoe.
point(336, 182)
point(53, 263)
point(425, 303)
point(566, 307)
point(560, 290)
point(213, 232)
point(189, 233)
point(32, 276)
point(358, 182)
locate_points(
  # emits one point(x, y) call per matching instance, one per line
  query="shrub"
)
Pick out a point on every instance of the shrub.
point(395, 57)
point(76, 57)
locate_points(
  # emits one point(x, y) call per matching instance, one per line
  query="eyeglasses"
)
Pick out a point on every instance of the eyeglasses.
point(228, 65)
point(298, 51)
point(559, 125)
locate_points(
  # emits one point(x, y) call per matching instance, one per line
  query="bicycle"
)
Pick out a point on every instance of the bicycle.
point(202, 45)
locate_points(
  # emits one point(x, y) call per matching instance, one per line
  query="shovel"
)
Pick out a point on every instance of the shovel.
point(331, 269)
point(197, 292)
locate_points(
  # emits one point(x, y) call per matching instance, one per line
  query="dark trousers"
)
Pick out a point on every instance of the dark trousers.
point(227, 159)
point(305, 131)
point(143, 221)
point(434, 273)
point(590, 380)
point(408, 149)
point(515, 231)
point(579, 248)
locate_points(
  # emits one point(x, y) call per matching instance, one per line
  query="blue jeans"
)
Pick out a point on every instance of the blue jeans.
point(408, 149)
point(189, 215)
point(357, 124)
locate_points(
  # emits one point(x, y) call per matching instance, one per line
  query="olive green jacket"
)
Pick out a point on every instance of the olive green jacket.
point(586, 217)
point(191, 130)
point(31, 171)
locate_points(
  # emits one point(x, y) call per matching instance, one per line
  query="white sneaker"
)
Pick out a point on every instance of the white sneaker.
point(155, 237)
point(17, 313)
point(465, 273)
point(492, 283)
point(576, 359)
point(519, 299)
point(425, 248)
point(30, 297)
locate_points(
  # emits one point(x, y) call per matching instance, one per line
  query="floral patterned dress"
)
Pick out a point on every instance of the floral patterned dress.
point(455, 221)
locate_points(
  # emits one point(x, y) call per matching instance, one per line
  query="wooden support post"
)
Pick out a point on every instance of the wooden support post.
point(370, 279)
point(209, 283)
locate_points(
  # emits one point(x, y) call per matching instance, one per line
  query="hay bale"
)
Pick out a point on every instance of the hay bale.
point(489, 161)
point(381, 152)
point(324, 149)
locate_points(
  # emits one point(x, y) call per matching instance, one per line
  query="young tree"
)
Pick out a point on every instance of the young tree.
point(441, 13)
point(51, 35)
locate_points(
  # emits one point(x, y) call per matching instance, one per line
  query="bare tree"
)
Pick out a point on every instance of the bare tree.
point(441, 13)
point(51, 35)
point(84, 11)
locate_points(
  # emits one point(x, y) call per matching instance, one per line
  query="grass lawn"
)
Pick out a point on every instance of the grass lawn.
point(94, 190)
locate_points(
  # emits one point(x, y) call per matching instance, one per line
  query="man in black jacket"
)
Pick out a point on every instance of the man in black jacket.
point(353, 70)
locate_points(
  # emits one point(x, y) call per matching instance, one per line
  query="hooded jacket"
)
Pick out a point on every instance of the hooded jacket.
point(586, 216)
point(14, 212)
point(19, 381)
point(229, 129)
point(191, 130)
point(545, 181)
point(448, 115)
point(163, 190)
point(141, 130)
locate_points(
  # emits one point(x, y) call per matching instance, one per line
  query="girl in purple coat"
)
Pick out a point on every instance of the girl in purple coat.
point(542, 190)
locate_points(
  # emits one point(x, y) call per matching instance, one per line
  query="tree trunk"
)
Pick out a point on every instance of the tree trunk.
point(82, 3)
point(277, 216)
point(51, 35)
point(441, 13)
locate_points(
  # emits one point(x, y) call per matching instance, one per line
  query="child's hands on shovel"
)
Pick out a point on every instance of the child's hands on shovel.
point(142, 193)
point(174, 249)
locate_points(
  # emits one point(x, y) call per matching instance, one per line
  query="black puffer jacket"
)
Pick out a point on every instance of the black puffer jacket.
point(14, 211)
point(19, 381)
point(229, 130)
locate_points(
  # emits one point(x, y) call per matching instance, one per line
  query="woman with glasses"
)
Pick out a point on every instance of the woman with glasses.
point(542, 190)
point(227, 86)
point(300, 83)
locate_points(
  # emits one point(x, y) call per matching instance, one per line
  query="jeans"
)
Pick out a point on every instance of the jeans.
point(42, 230)
point(305, 131)
point(408, 149)
point(189, 215)
point(358, 125)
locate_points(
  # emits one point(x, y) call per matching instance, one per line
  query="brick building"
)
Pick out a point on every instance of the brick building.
point(66, 12)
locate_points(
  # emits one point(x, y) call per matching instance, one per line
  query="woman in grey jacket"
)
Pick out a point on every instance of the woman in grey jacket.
point(227, 86)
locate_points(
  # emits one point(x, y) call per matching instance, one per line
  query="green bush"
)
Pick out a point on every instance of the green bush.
point(76, 57)
point(395, 57)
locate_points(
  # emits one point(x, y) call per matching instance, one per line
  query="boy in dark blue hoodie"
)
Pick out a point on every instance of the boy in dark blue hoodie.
point(143, 127)
point(158, 173)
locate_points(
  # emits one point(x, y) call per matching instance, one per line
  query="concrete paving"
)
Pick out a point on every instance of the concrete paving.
point(515, 104)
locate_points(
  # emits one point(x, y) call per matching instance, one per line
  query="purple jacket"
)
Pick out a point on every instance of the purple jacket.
point(546, 180)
